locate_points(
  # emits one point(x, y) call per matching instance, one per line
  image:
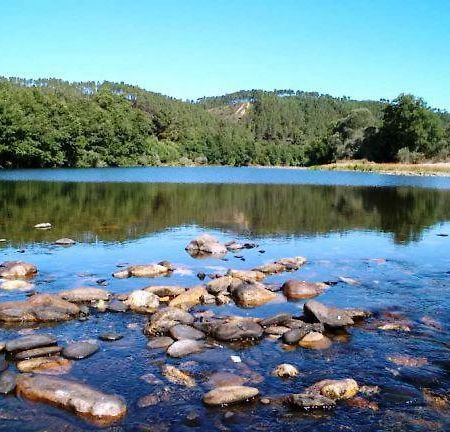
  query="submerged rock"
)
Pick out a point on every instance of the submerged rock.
point(38, 308)
point(110, 337)
point(29, 342)
point(224, 379)
point(84, 294)
point(185, 347)
point(165, 290)
point(3, 363)
point(285, 370)
point(295, 290)
point(177, 376)
point(160, 342)
point(116, 305)
point(294, 335)
point(252, 295)
point(17, 269)
point(7, 382)
point(189, 298)
point(406, 360)
point(142, 301)
point(80, 350)
point(229, 395)
point(308, 402)
point(53, 365)
point(164, 319)
point(206, 245)
point(90, 404)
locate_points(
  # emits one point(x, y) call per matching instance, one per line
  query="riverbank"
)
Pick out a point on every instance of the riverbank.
point(423, 169)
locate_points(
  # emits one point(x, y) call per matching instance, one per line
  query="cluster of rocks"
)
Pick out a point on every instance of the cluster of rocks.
point(207, 245)
point(145, 270)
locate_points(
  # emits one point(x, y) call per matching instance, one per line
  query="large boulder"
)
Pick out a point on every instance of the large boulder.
point(252, 295)
point(220, 284)
point(84, 294)
point(17, 269)
point(92, 405)
point(295, 290)
point(38, 308)
point(142, 301)
point(229, 395)
point(206, 245)
point(189, 298)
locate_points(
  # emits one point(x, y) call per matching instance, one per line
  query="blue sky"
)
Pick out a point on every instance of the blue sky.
point(190, 48)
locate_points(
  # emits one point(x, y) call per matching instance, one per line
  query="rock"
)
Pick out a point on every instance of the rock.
point(438, 402)
point(116, 305)
point(3, 363)
point(84, 294)
point(154, 399)
point(233, 245)
point(230, 394)
point(281, 265)
point(16, 284)
point(315, 340)
point(219, 285)
point(142, 301)
point(29, 342)
point(100, 305)
point(276, 330)
point(53, 365)
point(310, 402)
point(177, 376)
point(294, 335)
point(92, 405)
point(65, 242)
point(2, 346)
point(184, 347)
point(335, 389)
point(395, 326)
point(271, 268)
point(295, 290)
point(329, 316)
point(285, 370)
point(182, 331)
point(222, 299)
point(206, 245)
point(164, 319)
point(166, 290)
point(17, 269)
point(360, 402)
point(279, 319)
point(237, 328)
point(190, 298)
point(80, 350)
point(405, 360)
point(252, 295)
point(224, 379)
point(348, 281)
point(7, 382)
point(122, 274)
point(144, 270)
point(43, 225)
point(248, 276)
point(110, 337)
point(38, 308)
point(160, 342)
point(192, 419)
point(37, 352)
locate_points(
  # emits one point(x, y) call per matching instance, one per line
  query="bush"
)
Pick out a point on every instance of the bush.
point(404, 155)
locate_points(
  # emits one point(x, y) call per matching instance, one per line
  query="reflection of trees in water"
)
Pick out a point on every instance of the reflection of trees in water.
point(117, 211)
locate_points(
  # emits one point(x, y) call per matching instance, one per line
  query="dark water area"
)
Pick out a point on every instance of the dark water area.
point(385, 233)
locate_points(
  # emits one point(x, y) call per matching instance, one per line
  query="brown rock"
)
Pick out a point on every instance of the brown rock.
point(165, 318)
point(37, 352)
point(315, 340)
point(177, 376)
point(190, 298)
point(229, 395)
point(142, 301)
point(335, 389)
point(53, 365)
point(248, 276)
point(84, 294)
point(252, 295)
point(224, 379)
point(295, 290)
point(206, 245)
point(17, 269)
point(237, 328)
point(166, 290)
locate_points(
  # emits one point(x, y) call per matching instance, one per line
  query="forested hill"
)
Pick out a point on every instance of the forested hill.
point(51, 123)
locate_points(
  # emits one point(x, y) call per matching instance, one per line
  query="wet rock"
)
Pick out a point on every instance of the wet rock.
point(164, 319)
point(201, 275)
point(116, 305)
point(248, 276)
point(285, 370)
point(53, 365)
point(3, 363)
point(110, 336)
point(166, 290)
point(276, 320)
point(206, 245)
point(229, 395)
point(271, 268)
point(276, 330)
point(145, 270)
point(281, 265)
point(438, 402)
point(399, 326)
point(16, 284)
point(38, 308)
point(185, 347)
point(29, 342)
point(295, 290)
point(37, 352)
point(315, 340)
point(369, 390)
point(17, 269)
point(335, 389)
point(122, 274)
point(182, 331)
point(348, 280)
point(190, 298)
point(224, 379)
point(80, 350)
point(362, 403)
point(142, 301)
point(177, 376)
point(237, 328)
point(160, 342)
point(2, 346)
point(329, 316)
point(233, 245)
point(153, 399)
point(43, 225)
point(7, 382)
point(308, 402)
point(294, 335)
point(405, 360)
point(90, 404)
point(192, 419)
point(252, 295)
point(84, 294)
point(65, 242)
point(219, 285)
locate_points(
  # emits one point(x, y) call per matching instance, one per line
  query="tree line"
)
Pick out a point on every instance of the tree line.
point(53, 123)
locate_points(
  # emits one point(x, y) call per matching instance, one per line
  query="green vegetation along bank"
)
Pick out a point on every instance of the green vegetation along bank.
point(53, 123)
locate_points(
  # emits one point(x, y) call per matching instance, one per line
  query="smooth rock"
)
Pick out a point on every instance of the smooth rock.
point(17, 269)
point(80, 350)
point(165, 318)
point(237, 328)
point(142, 301)
point(165, 290)
point(219, 285)
point(335, 389)
point(53, 365)
point(160, 342)
point(184, 347)
point(177, 376)
point(252, 295)
point(65, 242)
point(38, 308)
point(182, 331)
point(149, 270)
point(37, 352)
point(110, 336)
point(7, 382)
point(84, 294)
point(248, 276)
point(294, 335)
point(295, 290)
point(315, 340)
point(276, 330)
point(92, 405)
point(329, 316)
point(308, 402)
point(190, 298)
point(206, 245)
point(224, 379)
point(281, 265)
point(16, 284)
point(229, 395)
point(29, 342)
point(285, 370)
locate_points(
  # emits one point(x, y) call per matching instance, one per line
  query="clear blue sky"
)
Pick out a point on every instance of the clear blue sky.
point(190, 48)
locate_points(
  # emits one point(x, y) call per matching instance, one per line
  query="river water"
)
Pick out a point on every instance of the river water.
point(387, 234)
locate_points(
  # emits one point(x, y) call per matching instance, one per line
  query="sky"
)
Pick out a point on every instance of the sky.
point(365, 49)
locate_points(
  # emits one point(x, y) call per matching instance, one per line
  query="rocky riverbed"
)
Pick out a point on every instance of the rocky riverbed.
point(233, 336)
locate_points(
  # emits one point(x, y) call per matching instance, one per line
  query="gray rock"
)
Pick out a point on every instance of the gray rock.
point(7, 382)
point(3, 363)
point(166, 290)
point(116, 306)
point(37, 352)
point(229, 394)
point(329, 316)
point(206, 245)
point(110, 337)
point(29, 342)
point(65, 242)
point(182, 331)
point(238, 328)
point(279, 319)
point(84, 294)
point(160, 342)
point(164, 319)
point(184, 347)
point(294, 335)
point(80, 350)
point(308, 402)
